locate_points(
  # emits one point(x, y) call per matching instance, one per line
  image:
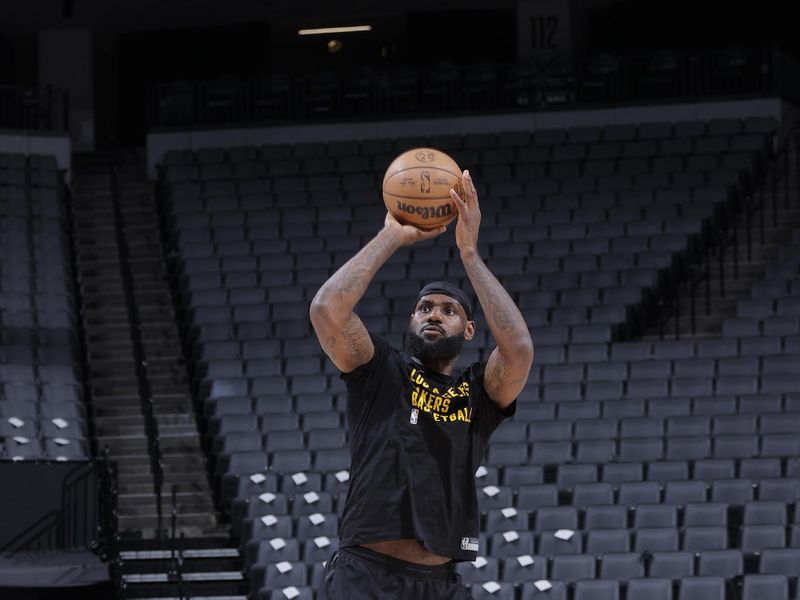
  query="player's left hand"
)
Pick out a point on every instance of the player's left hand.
point(469, 214)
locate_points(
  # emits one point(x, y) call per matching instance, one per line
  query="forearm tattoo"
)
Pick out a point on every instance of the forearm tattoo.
point(502, 314)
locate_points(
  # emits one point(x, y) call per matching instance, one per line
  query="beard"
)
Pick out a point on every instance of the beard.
point(442, 348)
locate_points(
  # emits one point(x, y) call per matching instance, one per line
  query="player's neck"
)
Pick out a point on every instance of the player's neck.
point(443, 366)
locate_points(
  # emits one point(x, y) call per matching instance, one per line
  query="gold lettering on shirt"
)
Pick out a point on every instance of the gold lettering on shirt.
point(427, 398)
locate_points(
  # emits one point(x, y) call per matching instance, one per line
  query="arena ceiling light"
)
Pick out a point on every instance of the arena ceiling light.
point(327, 30)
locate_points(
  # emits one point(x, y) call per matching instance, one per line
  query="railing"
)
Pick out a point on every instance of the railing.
point(145, 393)
point(525, 85)
point(83, 350)
point(107, 544)
point(175, 574)
point(171, 255)
point(691, 278)
point(86, 518)
point(33, 108)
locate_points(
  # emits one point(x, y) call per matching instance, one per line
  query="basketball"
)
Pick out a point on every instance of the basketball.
point(416, 188)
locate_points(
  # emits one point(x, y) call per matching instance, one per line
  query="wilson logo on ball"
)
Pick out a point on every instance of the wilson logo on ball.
point(425, 156)
point(426, 212)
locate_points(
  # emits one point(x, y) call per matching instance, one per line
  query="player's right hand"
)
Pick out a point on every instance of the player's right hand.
point(408, 233)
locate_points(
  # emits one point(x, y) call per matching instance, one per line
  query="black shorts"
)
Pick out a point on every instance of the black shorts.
point(356, 573)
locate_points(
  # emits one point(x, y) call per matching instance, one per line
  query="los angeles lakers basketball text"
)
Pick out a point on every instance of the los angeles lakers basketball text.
point(429, 399)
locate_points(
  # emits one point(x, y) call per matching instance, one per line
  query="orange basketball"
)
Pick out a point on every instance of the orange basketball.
point(416, 188)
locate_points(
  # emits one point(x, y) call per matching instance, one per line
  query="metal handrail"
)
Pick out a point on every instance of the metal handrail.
point(524, 85)
point(145, 393)
point(83, 348)
point(31, 108)
point(175, 574)
point(695, 270)
point(62, 528)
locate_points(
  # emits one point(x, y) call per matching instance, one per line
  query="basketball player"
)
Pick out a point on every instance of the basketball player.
point(418, 428)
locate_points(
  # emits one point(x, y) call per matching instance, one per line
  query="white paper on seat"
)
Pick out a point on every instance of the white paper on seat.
point(267, 497)
point(284, 566)
point(322, 541)
point(257, 478)
point(60, 423)
point(564, 534)
point(491, 586)
point(291, 592)
point(311, 497)
point(316, 518)
point(343, 476)
point(491, 490)
point(61, 441)
point(269, 520)
point(525, 560)
point(479, 562)
point(481, 472)
point(509, 512)
point(542, 585)
point(299, 478)
point(16, 422)
point(511, 536)
point(277, 543)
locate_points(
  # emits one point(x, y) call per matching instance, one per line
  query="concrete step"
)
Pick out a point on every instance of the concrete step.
point(113, 426)
point(112, 410)
point(143, 504)
point(133, 485)
point(108, 363)
point(191, 478)
point(177, 462)
point(200, 523)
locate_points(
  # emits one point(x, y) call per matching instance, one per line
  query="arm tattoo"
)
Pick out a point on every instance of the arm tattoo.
point(502, 314)
point(356, 340)
point(352, 279)
point(507, 368)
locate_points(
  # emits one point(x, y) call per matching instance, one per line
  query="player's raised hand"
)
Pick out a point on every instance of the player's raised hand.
point(409, 234)
point(469, 214)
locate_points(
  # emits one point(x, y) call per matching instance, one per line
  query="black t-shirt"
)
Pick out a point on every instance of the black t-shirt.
point(416, 440)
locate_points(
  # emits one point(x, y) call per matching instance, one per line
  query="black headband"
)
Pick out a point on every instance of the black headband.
point(448, 289)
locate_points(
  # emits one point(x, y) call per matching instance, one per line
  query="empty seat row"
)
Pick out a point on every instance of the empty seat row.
point(750, 540)
point(621, 517)
point(608, 428)
point(704, 470)
point(636, 449)
point(631, 493)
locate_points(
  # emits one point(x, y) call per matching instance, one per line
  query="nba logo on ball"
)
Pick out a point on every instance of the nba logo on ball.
point(425, 182)
point(416, 188)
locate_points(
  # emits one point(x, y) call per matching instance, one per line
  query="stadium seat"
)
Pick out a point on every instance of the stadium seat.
point(598, 589)
point(765, 586)
point(702, 588)
point(720, 563)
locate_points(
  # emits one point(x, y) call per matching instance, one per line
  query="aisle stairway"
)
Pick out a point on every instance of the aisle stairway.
point(111, 338)
point(759, 236)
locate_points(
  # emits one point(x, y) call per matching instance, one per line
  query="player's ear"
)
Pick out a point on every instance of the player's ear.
point(469, 330)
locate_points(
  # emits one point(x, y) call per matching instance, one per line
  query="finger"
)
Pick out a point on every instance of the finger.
point(428, 234)
point(464, 181)
point(469, 186)
point(460, 204)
